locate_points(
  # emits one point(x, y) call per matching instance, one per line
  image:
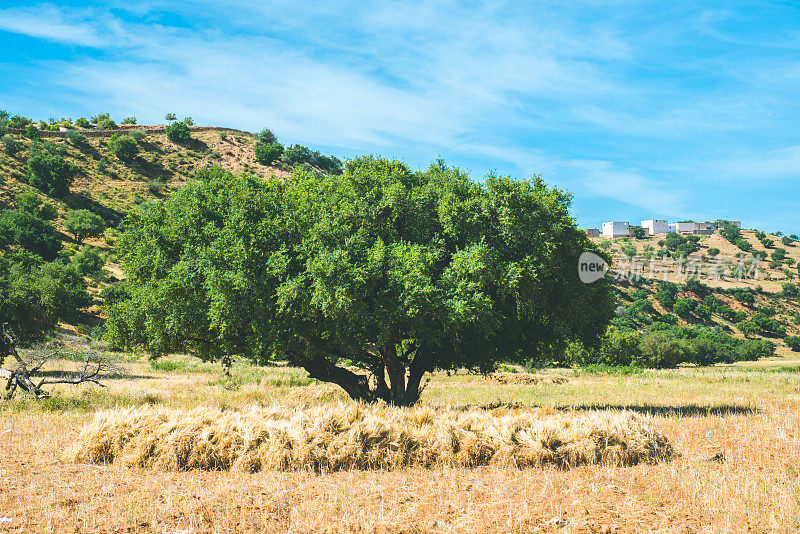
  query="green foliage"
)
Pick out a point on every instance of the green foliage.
point(104, 121)
point(89, 262)
point(713, 251)
point(84, 223)
point(48, 211)
point(188, 121)
point(10, 145)
point(266, 137)
point(790, 290)
point(267, 154)
point(778, 254)
point(32, 132)
point(138, 135)
point(730, 231)
point(170, 117)
point(429, 269)
point(638, 232)
point(793, 342)
point(75, 138)
point(786, 240)
point(299, 155)
point(128, 120)
point(745, 297)
point(667, 292)
point(123, 146)
point(683, 308)
point(22, 229)
point(178, 132)
point(743, 245)
point(50, 173)
point(82, 123)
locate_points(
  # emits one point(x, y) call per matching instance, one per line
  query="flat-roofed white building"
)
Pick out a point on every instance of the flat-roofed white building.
point(616, 229)
point(593, 232)
point(655, 226)
point(684, 227)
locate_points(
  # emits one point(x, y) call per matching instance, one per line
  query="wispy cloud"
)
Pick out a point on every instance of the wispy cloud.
point(598, 96)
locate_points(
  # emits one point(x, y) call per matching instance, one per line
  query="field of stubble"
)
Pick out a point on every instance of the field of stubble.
point(736, 431)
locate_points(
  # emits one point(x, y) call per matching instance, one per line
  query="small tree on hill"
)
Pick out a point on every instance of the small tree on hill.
point(267, 154)
point(50, 173)
point(266, 137)
point(123, 146)
point(178, 132)
point(170, 117)
point(638, 232)
point(128, 120)
point(84, 223)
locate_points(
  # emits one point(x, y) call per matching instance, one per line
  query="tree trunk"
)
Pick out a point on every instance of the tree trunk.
point(403, 388)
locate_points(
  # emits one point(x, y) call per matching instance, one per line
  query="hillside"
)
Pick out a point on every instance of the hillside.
point(774, 293)
point(111, 186)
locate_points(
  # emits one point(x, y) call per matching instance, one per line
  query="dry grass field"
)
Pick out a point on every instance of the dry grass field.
point(735, 431)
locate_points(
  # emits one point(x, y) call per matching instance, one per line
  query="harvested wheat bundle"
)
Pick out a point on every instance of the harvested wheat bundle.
point(357, 436)
point(526, 378)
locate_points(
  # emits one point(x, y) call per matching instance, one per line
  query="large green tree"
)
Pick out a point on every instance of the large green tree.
point(381, 269)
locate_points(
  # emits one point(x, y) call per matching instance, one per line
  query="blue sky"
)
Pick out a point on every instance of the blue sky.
point(640, 109)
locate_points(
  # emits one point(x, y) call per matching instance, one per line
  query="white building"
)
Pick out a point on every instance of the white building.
point(683, 227)
point(593, 232)
point(655, 226)
point(616, 229)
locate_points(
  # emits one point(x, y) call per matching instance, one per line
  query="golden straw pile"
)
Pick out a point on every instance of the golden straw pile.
point(355, 436)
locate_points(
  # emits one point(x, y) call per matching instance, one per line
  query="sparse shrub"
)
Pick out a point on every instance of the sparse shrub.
point(188, 121)
point(82, 123)
point(713, 251)
point(138, 135)
point(170, 117)
point(155, 187)
point(128, 120)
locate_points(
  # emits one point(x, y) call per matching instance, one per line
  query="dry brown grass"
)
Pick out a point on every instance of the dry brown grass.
point(748, 420)
point(526, 378)
point(355, 436)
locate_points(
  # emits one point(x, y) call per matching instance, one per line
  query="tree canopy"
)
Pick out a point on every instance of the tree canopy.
point(389, 271)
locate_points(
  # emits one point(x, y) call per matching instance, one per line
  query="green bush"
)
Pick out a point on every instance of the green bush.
point(22, 229)
point(75, 138)
point(793, 342)
point(745, 297)
point(10, 145)
point(658, 350)
point(32, 132)
point(713, 251)
point(178, 132)
point(138, 135)
point(267, 154)
point(123, 146)
point(266, 137)
point(743, 245)
point(82, 123)
point(128, 120)
point(89, 262)
point(683, 308)
point(50, 173)
point(84, 223)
